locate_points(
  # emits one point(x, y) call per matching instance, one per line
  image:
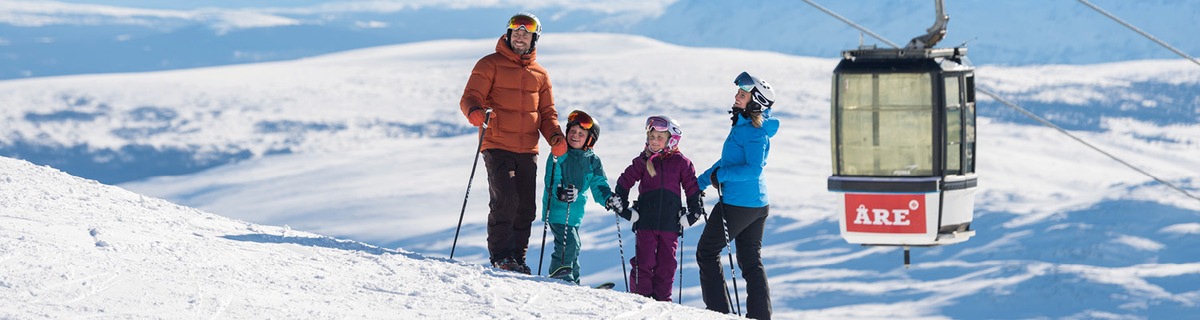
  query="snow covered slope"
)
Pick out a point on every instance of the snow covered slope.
point(71, 247)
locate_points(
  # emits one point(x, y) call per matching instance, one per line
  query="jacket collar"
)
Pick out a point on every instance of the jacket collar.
point(578, 152)
point(503, 49)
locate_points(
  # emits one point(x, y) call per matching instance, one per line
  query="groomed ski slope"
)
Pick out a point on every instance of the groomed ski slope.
point(71, 247)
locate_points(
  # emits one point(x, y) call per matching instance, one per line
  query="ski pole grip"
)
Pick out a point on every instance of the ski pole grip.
point(487, 117)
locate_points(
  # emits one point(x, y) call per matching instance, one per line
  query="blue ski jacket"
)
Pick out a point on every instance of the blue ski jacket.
point(578, 167)
point(743, 157)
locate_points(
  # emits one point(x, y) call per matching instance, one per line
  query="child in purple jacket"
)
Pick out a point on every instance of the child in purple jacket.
point(665, 176)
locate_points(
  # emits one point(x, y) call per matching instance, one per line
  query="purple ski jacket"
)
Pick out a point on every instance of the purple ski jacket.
point(659, 200)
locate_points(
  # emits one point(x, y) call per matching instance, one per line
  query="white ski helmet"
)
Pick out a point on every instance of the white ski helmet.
point(527, 21)
point(761, 95)
point(665, 123)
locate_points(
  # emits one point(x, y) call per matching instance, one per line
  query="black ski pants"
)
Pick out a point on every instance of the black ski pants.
point(746, 229)
point(512, 184)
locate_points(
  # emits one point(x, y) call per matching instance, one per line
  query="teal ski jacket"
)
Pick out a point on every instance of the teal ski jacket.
point(578, 167)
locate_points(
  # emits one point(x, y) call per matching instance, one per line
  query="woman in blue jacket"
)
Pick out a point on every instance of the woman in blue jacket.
point(738, 177)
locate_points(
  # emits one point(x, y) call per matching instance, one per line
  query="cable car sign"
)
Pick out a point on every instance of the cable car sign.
point(885, 213)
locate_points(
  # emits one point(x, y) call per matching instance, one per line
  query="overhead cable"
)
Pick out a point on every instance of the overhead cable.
point(1139, 31)
point(852, 24)
point(1089, 145)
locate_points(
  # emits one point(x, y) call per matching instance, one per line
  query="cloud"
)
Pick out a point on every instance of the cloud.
point(43, 13)
point(46, 13)
point(371, 24)
point(227, 20)
point(1183, 228)
point(652, 7)
point(1139, 243)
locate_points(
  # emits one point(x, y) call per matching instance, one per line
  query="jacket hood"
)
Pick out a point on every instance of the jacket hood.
point(770, 124)
point(503, 49)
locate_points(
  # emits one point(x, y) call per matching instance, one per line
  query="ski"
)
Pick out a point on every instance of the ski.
point(561, 273)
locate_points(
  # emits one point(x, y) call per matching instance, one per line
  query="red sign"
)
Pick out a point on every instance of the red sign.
point(885, 213)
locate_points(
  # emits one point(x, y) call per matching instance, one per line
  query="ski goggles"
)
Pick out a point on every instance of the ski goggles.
point(657, 123)
point(745, 82)
point(528, 23)
point(582, 118)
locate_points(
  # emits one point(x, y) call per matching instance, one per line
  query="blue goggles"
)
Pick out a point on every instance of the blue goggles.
point(745, 82)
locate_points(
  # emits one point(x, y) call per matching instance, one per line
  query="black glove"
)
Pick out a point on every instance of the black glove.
point(568, 193)
point(713, 177)
point(618, 202)
point(615, 203)
point(687, 219)
point(695, 208)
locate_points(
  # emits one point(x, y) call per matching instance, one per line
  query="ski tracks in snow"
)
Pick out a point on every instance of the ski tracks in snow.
point(80, 288)
point(221, 308)
point(95, 287)
point(530, 306)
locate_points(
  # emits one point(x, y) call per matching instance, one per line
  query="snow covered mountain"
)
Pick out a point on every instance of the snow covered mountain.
point(71, 247)
point(45, 38)
point(369, 145)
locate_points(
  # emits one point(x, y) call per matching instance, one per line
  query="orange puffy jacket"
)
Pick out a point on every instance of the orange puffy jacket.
point(517, 89)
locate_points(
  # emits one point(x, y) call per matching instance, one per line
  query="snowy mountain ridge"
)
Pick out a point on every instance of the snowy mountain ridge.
point(203, 118)
point(44, 38)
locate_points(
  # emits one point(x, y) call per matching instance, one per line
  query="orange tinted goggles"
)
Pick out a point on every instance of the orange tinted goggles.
point(523, 22)
point(582, 118)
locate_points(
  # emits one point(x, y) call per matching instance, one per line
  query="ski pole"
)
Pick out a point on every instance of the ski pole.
point(545, 226)
point(681, 240)
point(732, 270)
point(728, 297)
point(545, 214)
point(636, 274)
point(621, 247)
point(566, 228)
point(487, 116)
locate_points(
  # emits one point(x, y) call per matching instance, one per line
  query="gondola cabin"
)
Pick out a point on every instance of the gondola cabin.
point(903, 146)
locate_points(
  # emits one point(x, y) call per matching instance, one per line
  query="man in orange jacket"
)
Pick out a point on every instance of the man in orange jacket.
point(517, 90)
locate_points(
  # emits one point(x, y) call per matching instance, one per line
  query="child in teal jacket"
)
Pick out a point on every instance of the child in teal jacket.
point(566, 178)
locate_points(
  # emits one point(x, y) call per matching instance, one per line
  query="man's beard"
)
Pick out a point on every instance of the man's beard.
point(521, 51)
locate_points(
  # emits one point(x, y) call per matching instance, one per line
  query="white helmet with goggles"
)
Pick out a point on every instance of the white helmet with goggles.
point(527, 21)
point(668, 125)
point(761, 94)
